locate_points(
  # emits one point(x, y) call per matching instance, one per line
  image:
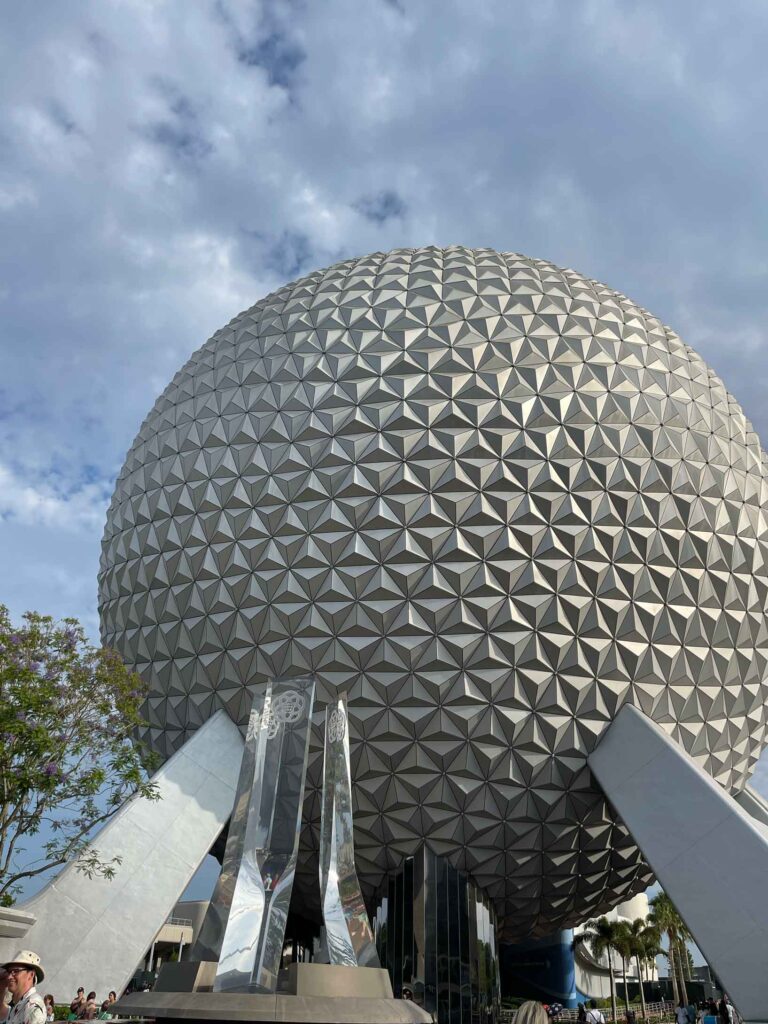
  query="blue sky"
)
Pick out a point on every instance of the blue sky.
point(164, 165)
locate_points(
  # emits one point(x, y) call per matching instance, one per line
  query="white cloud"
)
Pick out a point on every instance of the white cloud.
point(15, 194)
point(43, 504)
point(167, 165)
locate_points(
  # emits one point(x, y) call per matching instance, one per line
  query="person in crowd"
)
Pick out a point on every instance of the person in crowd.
point(91, 1007)
point(581, 1014)
point(531, 1012)
point(691, 1011)
point(50, 1009)
point(19, 977)
point(594, 1016)
point(681, 1013)
point(104, 1013)
point(712, 1008)
point(112, 997)
point(77, 1004)
point(725, 1010)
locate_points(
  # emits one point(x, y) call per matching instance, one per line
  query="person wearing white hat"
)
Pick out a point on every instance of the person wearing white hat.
point(19, 977)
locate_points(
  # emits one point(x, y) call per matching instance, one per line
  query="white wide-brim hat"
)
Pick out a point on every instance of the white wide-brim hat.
point(26, 958)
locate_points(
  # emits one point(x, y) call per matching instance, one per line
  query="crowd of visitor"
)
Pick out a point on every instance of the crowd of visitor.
point(19, 979)
point(87, 1007)
point(710, 1011)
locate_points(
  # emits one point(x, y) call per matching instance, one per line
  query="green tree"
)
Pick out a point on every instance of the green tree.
point(68, 712)
point(666, 918)
point(602, 935)
point(623, 946)
point(652, 944)
point(643, 944)
point(687, 959)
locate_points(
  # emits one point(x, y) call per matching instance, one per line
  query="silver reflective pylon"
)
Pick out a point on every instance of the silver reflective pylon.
point(277, 746)
point(350, 939)
point(207, 945)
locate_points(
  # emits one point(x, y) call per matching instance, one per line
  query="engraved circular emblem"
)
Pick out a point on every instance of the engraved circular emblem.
point(288, 707)
point(268, 720)
point(337, 725)
point(271, 723)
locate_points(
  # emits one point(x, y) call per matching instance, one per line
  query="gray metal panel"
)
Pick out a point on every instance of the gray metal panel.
point(706, 850)
point(100, 928)
point(491, 499)
point(754, 804)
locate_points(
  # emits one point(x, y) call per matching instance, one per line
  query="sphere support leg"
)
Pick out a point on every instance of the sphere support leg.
point(709, 854)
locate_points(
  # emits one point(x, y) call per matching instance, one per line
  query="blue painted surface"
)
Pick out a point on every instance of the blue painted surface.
point(541, 969)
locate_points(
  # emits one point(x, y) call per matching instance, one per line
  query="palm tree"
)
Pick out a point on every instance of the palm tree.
point(654, 948)
point(643, 944)
point(602, 935)
point(665, 917)
point(623, 946)
point(683, 957)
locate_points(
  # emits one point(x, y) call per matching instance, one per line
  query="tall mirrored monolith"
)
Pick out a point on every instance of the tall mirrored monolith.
point(278, 741)
point(349, 935)
point(207, 946)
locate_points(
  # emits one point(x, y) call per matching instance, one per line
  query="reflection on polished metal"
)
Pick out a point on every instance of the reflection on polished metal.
point(208, 943)
point(253, 939)
point(350, 939)
point(436, 933)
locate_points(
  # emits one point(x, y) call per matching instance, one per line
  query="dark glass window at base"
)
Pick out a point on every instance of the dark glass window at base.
point(436, 933)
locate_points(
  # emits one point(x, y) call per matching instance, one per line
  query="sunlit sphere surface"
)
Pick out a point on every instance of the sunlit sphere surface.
point(493, 501)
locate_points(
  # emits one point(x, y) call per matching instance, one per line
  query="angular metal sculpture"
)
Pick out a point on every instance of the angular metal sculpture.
point(707, 851)
point(277, 745)
point(208, 943)
point(495, 500)
point(348, 930)
point(80, 924)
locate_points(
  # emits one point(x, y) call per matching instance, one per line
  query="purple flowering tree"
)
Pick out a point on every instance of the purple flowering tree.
point(68, 757)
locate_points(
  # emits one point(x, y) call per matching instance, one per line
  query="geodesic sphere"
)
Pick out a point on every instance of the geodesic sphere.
point(490, 499)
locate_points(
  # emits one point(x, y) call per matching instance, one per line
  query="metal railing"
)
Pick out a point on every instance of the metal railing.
point(657, 1011)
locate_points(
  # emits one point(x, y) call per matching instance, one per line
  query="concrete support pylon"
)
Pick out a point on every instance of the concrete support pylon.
point(709, 854)
point(94, 932)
